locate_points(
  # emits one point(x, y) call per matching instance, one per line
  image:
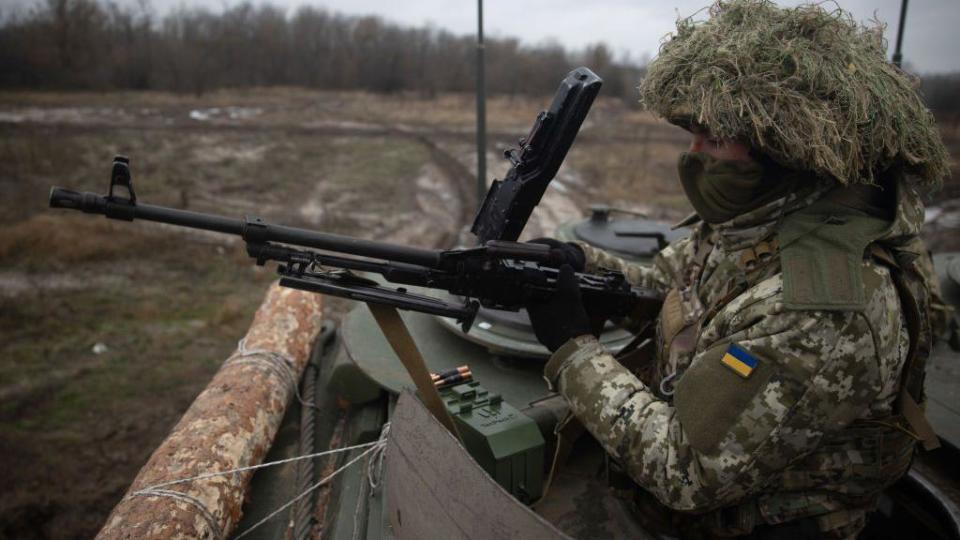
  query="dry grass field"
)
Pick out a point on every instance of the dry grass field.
point(108, 330)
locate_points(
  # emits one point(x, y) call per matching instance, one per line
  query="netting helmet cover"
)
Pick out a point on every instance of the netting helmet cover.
point(806, 86)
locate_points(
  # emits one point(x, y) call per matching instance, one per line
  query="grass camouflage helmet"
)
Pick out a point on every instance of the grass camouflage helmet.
point(807, 86)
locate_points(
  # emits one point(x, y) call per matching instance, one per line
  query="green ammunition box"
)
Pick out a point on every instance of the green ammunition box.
point(503, 440)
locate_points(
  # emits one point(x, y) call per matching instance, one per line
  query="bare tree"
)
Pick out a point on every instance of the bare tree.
point(89, 44)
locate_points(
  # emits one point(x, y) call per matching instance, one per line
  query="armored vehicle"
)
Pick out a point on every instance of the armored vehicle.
point(515, 473)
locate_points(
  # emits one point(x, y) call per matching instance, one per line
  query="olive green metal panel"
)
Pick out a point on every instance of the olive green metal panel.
point(503, 440)
point(347, 517)
point(350, 382)
point(378, 526)
point(519, 382)
point(348, 523)
point(510, 334)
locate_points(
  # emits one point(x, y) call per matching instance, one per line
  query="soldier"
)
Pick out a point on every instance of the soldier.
point(787, 389)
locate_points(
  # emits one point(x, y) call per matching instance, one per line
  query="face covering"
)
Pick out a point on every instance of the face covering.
point(721, 190)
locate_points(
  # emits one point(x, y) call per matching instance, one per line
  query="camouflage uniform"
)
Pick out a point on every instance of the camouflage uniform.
point(811, 431)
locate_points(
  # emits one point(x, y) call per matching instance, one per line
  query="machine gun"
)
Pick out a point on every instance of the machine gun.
point(499, 274)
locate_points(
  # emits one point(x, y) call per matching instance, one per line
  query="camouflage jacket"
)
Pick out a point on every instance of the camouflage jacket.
point(749, 380)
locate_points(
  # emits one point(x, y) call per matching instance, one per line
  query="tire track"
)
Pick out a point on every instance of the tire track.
point(458, 177)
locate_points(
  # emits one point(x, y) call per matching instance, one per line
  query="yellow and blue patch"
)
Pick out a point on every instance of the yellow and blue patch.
point(740, 361)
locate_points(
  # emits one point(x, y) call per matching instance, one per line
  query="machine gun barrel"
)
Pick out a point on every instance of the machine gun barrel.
point(250, 229)
point(499, 274)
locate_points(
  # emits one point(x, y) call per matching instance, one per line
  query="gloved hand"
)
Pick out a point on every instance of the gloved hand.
point(561, 317)
point(564, 253)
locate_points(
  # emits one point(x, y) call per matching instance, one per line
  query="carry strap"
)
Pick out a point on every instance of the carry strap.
point(401, 341)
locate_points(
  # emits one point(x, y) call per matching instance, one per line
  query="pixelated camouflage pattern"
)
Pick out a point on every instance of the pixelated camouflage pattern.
point(792, 446)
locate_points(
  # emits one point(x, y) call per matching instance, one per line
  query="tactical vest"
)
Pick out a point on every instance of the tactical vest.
point(825, 486)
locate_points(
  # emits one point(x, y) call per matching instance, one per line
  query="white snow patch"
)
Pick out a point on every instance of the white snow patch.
point(312, 210)
point(231, 113)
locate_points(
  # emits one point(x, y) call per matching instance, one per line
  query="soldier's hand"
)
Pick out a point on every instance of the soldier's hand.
point(561, 317)
point(564, 253)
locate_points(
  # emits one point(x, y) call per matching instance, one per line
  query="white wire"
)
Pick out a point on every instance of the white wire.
point(260, 466)
point(374, 471)
point(156, 491)
point(279, 363)
point(376, 446)
point(375, 466)
point(306, 492)
point(189, 499)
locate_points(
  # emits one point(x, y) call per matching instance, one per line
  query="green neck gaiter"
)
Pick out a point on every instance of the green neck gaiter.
point(721, 190)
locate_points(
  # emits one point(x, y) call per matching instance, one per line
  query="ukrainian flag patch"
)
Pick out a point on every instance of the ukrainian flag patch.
point(740, 361)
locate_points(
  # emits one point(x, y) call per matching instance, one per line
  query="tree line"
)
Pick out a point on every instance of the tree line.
point(98, 45)
point(88, 44)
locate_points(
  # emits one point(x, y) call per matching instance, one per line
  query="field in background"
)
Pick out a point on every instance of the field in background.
point(108, 330)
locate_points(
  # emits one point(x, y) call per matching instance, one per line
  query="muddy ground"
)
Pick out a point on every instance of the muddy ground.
point(108, 330)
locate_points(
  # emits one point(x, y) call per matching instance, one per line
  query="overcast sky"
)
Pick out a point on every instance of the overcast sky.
point(634, 27)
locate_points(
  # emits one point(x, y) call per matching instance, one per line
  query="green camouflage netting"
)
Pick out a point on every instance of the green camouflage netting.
point(809, 87)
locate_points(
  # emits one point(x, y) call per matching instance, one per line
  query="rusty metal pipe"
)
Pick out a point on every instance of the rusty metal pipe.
point(230, 425)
